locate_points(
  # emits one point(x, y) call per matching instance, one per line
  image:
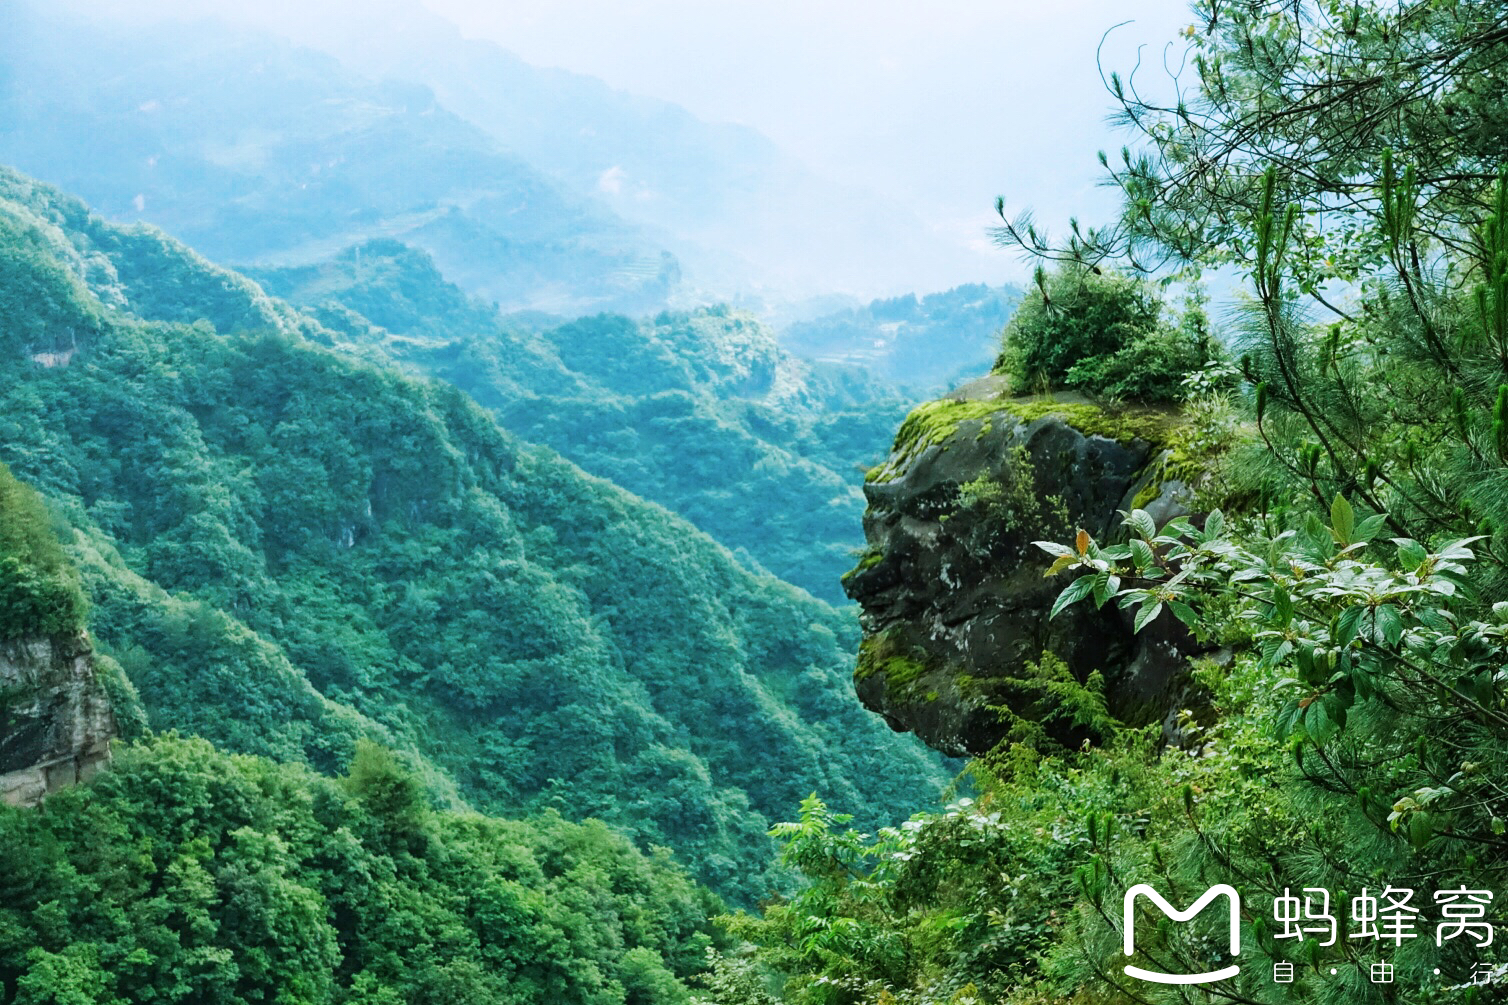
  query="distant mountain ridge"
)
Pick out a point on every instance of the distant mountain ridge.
point(745, 215)
point(923, 344)
point(254, 150)
point(537, 188)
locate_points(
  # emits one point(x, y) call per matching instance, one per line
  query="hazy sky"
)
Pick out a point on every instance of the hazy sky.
point(941, 105)
point(938, 107)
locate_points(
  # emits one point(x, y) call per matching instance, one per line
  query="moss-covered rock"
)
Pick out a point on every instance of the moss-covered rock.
point(954, 604)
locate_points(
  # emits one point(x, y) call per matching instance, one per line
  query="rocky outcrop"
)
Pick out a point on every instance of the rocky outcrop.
point(55, 719)
point(954, 603)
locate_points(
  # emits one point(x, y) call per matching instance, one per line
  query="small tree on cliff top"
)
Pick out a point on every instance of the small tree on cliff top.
point(1102, 333)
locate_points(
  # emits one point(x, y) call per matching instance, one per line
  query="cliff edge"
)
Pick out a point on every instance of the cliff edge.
point(55, 718)
point(56, 722)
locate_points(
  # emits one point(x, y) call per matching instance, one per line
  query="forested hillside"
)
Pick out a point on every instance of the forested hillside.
point(701, 412)
point(188, 875)
point(289, 549)
point(184, 874)
point(923, 344)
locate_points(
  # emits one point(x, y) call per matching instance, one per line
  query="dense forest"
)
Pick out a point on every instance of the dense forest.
point(186, 874)
point(289, 548)
point(467, 655)
point(702, 412)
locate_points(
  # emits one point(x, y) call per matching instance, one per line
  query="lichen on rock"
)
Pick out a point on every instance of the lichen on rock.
point(953, 601)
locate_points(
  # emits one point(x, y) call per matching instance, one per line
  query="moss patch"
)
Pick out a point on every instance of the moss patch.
point(935, 422)
point(902, 666)
point(1154, 425)
point(1173, 464)
point(871, 558)
point(1148, 493)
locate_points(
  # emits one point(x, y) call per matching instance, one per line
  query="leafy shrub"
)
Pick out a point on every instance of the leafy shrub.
point(39, 593)
point(1011, 500)
point(1151, 367)
point(1103, 334)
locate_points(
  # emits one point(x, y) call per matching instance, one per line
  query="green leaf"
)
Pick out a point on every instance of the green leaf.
point(1075, 591)
point(1105, 587)
point(1387, 624)
point(1282, 606)
point(1342, 520)
point(1458, 549)
point(1183, 612)
point(1141, 554)
point(1347, 625)
point(1141, 521)
point(1059, 564)
point(1411, 554)
point(1336, 705)
point(1214, 525)
point(1317, 722)
point(1421, 828)
point(1369, 528)
point(1148, 612)
point(1286, 719)
point(1361, 681)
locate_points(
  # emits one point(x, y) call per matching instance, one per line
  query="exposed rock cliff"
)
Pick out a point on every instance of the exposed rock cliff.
point(55, 718)
point(954, 604)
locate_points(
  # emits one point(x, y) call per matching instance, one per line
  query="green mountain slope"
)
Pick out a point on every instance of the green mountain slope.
point(701, 412)
point(186, 875)
point(289, 548)
point(925, 344)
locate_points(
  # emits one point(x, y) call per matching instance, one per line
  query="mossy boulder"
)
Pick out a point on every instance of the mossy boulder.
point(953, 601)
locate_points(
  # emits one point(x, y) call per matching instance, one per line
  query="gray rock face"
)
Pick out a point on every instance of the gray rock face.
point(55, 719)
point(954, 603)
